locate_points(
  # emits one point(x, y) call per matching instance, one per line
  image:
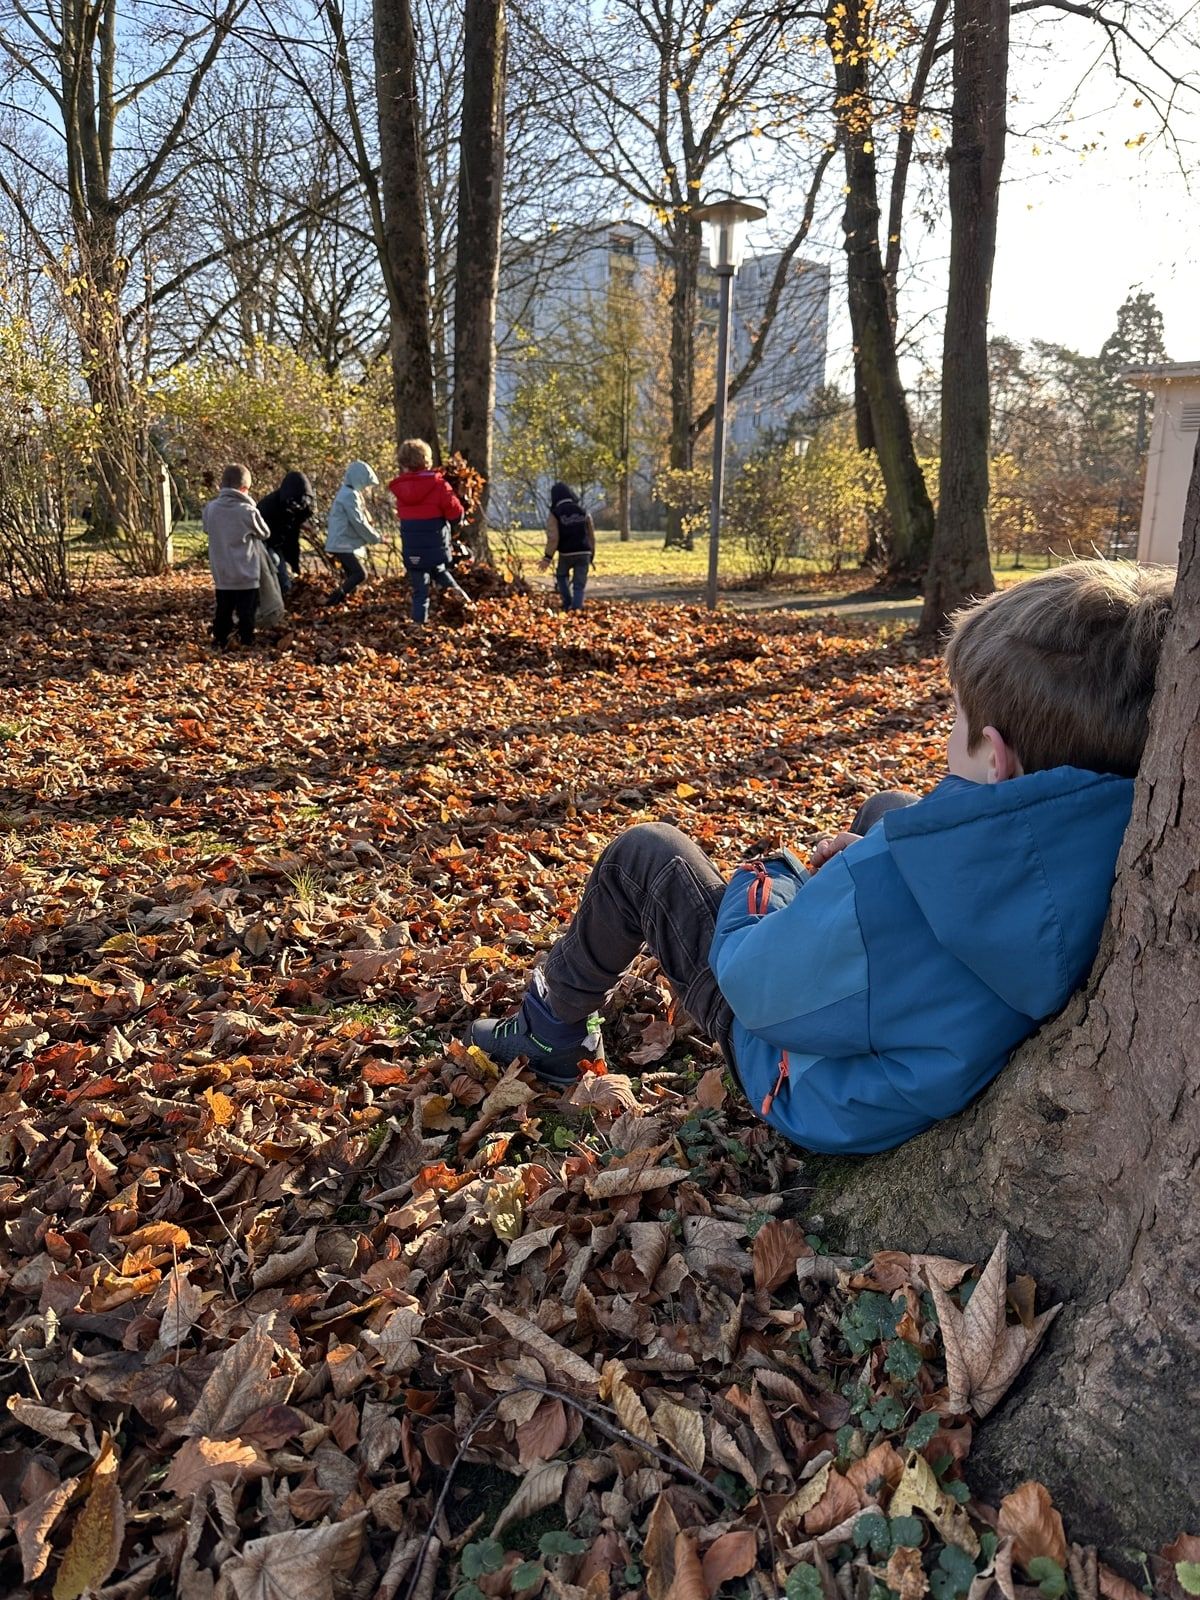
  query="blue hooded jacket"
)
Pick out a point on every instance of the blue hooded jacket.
point(896, 982)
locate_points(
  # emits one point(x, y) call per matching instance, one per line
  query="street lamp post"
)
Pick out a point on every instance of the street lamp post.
point(726, 218)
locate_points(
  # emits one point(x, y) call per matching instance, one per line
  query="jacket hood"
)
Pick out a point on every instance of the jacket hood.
point(359, 476)
point(989, 866)
point(296, 489)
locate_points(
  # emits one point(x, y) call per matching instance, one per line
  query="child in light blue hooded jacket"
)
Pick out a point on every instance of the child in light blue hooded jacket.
point(868, 996)
point(349, 530)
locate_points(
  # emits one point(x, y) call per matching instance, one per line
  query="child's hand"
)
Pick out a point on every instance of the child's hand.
point(830, 845)
point(544, 563)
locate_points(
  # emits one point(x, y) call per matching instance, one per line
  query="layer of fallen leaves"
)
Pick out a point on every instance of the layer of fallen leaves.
point(300, 1297)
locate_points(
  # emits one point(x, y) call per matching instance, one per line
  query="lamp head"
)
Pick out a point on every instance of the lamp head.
point(727, 216)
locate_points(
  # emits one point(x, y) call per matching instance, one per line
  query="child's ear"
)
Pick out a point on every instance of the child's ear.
point(1003, 761)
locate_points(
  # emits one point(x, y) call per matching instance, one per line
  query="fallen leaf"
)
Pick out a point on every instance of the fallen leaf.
point(240, 1385)
point(556, 1358)
point(540, 1487)
point(983, 1352)
point(682, 1431)
point(286, 1266)
point(906, 1574)
point(96, 1538)
point(658, 1549)
point(777, 1247)
point(919, 1490)
point(301, 1564)
point(1028, 1514)
point(730, 1555)
point(199, 1462)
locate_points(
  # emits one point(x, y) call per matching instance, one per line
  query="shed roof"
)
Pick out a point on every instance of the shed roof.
point(1165, 372)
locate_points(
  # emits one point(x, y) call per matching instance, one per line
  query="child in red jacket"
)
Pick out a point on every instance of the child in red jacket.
point(426, 506)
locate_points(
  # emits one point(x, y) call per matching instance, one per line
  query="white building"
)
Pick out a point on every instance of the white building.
point(549, 300)
point(1175, 387)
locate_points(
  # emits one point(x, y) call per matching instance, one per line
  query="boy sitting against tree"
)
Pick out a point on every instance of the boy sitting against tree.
point(866, 998)
point(236, 537)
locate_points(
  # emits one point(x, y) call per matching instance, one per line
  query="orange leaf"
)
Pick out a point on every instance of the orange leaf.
point(731, 1556)
point(1037, 1529)
point(776, 1249)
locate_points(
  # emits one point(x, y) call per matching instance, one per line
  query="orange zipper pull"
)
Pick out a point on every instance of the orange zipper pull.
point(769, 1100)
point(758, 895)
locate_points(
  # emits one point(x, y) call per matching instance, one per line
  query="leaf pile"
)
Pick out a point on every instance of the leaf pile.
point(300, 1297)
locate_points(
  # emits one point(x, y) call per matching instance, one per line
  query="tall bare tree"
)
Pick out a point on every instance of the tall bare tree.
point(480, 209)
point(109, 92)
point(402, 190)
point(959, 562)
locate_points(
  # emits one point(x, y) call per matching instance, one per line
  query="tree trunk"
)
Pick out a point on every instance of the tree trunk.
point(685, 265)
point(908, 503)
point(402, 190)
point(1087, 1149)
point(477, 278)
point(960, 564)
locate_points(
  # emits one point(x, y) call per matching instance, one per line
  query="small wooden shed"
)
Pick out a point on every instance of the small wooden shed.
point(1175, 387)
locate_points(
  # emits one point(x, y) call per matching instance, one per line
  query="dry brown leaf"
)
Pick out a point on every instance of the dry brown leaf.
point(688, 1582)
point(649, 1243)
point(529, 1243)
point(983, 1352)
point(840, 1501)
point(610, 1093)
point(1114, 1587)
point(1037, 1529)
point(919, 1490)
point(906, 1574)
point(626, 1402)
point(285, 1266)
point(61, 1426)
point(199, 1462)
point(184, 1305)
point(777, 1247)
point(658, 1549)
point(99, 1530)
point(682, 1431)
point(541, 1486)
point(398, 1340)
point(556, 1358)
point(710, 1093)
point(882, 1463)
point(543, 1435)
point(615, 1182)
point(504, 1207)
point(34, 1523)
point(730, 1555)
point(240, 1385)
point(714, 1248)
point(806, 1497)
point(299, 1565)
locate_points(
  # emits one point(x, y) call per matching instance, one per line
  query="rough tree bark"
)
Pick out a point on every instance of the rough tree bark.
point(908, 503)
point(477, 275)
point(401, 180)
point(685, 237)
point(959, 563)
point(1087, 1148)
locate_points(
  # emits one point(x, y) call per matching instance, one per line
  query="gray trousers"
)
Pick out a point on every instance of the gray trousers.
point(654, 889)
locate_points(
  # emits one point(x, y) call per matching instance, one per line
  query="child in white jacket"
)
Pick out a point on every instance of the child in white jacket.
point(349, 530)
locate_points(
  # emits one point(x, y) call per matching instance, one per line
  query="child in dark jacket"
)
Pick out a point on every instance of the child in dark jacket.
point(426, 506)
point(869, 996)
point(285, 511)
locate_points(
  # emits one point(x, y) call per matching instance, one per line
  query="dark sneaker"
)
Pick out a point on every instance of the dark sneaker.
point(553, 1049)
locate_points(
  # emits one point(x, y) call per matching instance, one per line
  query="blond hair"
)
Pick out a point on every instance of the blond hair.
point(235, 476)
point(415, 455)
point(1063, 665)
